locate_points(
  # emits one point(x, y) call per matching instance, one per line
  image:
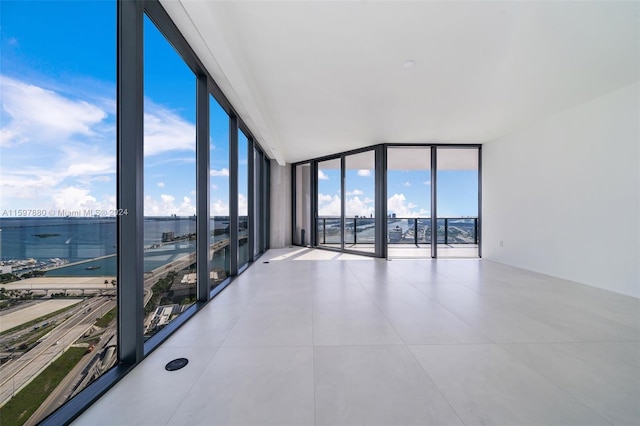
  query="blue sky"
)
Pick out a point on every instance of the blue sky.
point(58, 105)
point(408, 192)
point(58, 128)
point(58, 114)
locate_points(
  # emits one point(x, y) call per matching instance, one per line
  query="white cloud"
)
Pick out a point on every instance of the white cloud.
point(357, 207)
point(214, 187)
point(355, 192)
point(74, 198)
point(364, 172)
point(324, 198)
point(243, 205)
point(97, 166)
point(44, 115)
point(427, 182)
point(406, 184)
point(164, 131)
point(58, 151)
point(398, 204)
point(329, 205)
point(221, 172)
point(160, 184)
point(219, 208)
point(166, 206)
point(322, 176)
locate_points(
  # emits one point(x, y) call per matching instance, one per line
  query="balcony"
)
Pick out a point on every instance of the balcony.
point(406, 237)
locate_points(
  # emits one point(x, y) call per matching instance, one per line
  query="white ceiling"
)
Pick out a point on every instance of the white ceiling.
point(315, 78)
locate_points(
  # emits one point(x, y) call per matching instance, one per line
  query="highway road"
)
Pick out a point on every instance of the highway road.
point(19, 372)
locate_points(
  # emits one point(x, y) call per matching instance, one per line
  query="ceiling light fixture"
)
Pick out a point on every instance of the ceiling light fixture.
point(409, 63)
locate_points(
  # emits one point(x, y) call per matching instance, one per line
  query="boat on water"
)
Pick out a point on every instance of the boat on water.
point(92, 268)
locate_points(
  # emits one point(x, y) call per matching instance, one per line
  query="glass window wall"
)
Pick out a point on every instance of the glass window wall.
point(302, 216)
point(329, 219)
point(360, 197)
point(243, 199)
point(457, 202)
point(169, 182)
point(58, 243)
point(219, 196)
point(409, 202)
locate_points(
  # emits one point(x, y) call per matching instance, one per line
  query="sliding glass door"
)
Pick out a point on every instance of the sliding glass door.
point(409, 202)
point(329, 219)
point(359, 202)
point(457, 202)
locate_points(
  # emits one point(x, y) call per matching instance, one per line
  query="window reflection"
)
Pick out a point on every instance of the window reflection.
point(219, 197)
point(243, 199)
point(169, 183)
point(58, 245)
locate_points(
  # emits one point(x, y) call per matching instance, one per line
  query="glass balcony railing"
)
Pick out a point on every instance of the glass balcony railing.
point(415, 230)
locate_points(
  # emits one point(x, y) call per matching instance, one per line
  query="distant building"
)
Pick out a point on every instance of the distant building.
point(168, 236)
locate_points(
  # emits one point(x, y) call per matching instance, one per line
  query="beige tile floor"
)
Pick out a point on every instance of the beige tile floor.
point(316, 337)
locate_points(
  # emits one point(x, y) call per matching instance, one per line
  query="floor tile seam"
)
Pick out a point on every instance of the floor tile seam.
point(563, 342)
point(534, 371)
point(381, 311)
point(362, 345)
point(313, 377)
point(313, 359)
point(264, 346)
point(386, 268)
point(550, 380)
point(237, 320)
point(559, 327)
point(437, 302)
point(552, 278)
point(502, 305)
point(193, 384)
point(435, 385)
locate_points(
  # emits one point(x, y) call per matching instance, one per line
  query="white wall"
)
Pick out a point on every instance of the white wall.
point(563, 196)
point(280, 231)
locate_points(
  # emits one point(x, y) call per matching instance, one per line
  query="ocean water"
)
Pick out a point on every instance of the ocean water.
point(85, 239)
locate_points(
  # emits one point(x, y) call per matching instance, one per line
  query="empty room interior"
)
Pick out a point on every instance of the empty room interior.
point(320, 213)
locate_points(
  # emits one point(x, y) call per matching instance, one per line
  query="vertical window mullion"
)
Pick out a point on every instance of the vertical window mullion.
point(202, 189)
point(434, 205)
point(130, 135)
point(233, 195)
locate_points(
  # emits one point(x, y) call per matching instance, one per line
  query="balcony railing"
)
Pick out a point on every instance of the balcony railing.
point(415, 230)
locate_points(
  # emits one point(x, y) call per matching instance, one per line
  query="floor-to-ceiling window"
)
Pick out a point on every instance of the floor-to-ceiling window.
point(429, 211)
point(244, 250)
point(169, 182)
point(409, 201)
point(259, 198)
point(359, 199)
point(219, 195)
point(302, 205)
point(457, 201)
point(329, 217)
point(102, 196)
point(58, 244)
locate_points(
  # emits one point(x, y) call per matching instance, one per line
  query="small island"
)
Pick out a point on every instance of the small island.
point(46, 235)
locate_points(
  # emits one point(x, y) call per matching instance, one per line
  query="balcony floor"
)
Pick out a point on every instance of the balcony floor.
point(318, 337)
